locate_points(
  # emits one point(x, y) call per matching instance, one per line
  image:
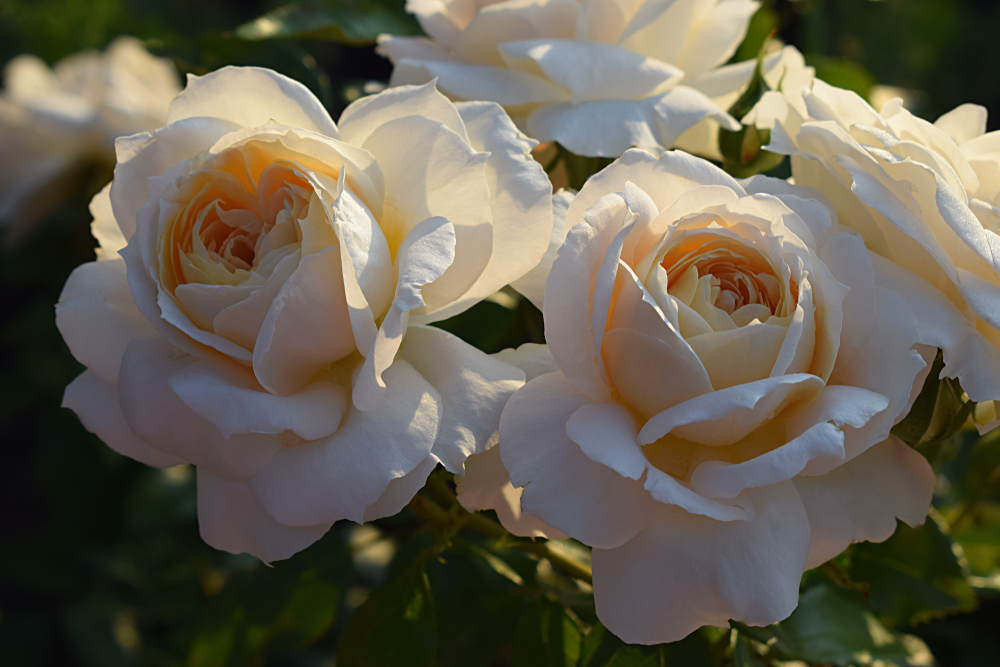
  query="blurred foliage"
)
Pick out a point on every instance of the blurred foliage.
point(100, 560)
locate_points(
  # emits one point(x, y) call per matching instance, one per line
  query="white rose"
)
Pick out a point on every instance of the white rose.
point(714, 417)
point(924, 197)
point(598, 76)
point(260, 322)
point(52, 119)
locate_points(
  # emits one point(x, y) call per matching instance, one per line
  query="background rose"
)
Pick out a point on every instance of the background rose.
point(255, 323)
point(728, 373)
point(51, 119)
point(598, 76)
point(924, 198)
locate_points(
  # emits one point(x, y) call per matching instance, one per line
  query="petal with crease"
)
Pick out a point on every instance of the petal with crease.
point(231, 519)
point(686, 571)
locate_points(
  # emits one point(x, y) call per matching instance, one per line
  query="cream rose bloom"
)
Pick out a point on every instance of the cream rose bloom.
point(262, 320)
point(714, 416)
point(598, 76)
point(924, 197)
point(52, 119)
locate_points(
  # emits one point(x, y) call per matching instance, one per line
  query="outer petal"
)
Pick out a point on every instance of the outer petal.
point(520, 201)
point(608, 128)
point(231, 519)
point(564, 487)
point(486, 486)
point(432, 171)
point(968, 355)
point(158, 416)
point(98, 318)
point(339, 477)
point(229, 396)
point(474, 389)
point(862, 499)
point(685, 571)
point(400, 491)
point(251, 96)
point(95, 402)
point(367, 114)
point(104, 227)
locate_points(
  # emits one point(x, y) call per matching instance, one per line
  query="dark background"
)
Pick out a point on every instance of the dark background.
point(100, 559)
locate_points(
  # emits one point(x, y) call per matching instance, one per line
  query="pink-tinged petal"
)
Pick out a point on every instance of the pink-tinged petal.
point(158, 416)
point(668, 490)
point(231, 519)
point(143, 156)
point(862, 499)
point(340, 476)
point(563, 486)
point(474, 388)
point(651, 375)
point(307, 327)
point(720, 479)
point(606, 432)
point(520, 202)
point(242, 321)
point(723, 417)
point(400, 491)
point(486, 486)
point(367, 114)
point(229, 396)
point(98, 318)
point(251, 96)
point(967, 354)
point(95, 403)
point(424, 256)
point(685, 571)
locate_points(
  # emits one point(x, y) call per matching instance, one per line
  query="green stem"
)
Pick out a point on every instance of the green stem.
point(433, 513)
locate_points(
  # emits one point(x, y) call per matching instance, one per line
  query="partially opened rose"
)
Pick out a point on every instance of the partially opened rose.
point(598, 76)
point(261, 321)
point(52, 119)
point(924, 197)
point(715, 415)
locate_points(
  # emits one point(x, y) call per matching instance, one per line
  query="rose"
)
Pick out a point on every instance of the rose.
point(261, 321)
point(598, 76)
point(52, 119)
point(715, 415)
point(924, 197)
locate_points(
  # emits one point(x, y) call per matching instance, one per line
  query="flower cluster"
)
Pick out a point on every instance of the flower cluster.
point(725, 359)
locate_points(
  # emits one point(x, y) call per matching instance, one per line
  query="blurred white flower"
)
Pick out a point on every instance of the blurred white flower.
point(52, 119)
point(598, 76)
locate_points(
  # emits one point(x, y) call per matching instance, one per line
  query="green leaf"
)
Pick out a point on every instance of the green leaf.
point(941, 409)
point(762, 25)
point(549, 635)
point(355, 22)
point(833, 626)
point(396, 626)
point(914, 576)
